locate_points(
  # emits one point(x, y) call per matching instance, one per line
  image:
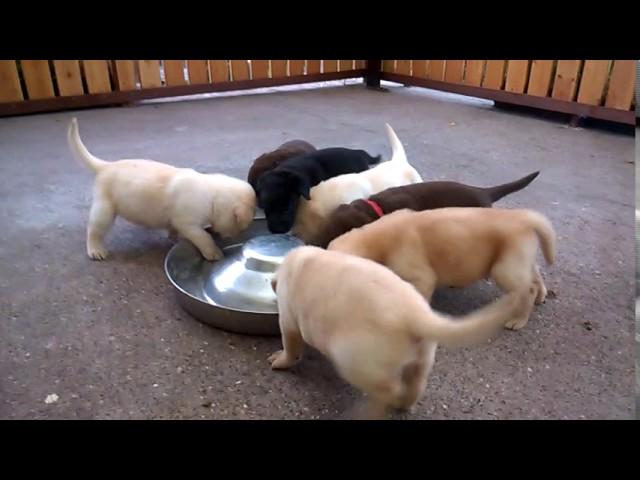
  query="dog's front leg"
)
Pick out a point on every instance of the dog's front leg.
point(202, 240)
point(293, 346)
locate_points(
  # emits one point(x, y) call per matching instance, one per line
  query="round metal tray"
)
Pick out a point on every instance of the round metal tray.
point(234, 293)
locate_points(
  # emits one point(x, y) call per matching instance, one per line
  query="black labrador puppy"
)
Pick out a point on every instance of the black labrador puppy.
point(279, 190)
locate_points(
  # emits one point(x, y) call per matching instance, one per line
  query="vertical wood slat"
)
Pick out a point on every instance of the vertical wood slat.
point(296, 68)
point(219, 70)
point(68, 77)
point(540, 78)
point(387, 65)
point(329, 66)
point(174, 73)
point(96, 72)
point(278, 68)
point(198, 72)
point(37, 78)
point(494, 74)
point(564, 84)
point(592, 82)
point(403, 67)
point(622, 85)
point(125, 75)
point(345, 65)
point(454, 71)
point(436, 69)
point(259, 69)
point(313, 67)
point(149, 73)
point(420, 68)
point(239, 70)
point(360, 64)
point(10, 89)
point(473, 74)
point(517, 75)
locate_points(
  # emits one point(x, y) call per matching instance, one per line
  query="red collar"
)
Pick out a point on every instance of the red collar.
point(376, 207)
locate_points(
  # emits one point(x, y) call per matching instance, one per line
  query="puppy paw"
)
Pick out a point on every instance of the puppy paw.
point(279, 360)
point(97, 253)
point(213, 255)
point(541, 296)
point(516, 323)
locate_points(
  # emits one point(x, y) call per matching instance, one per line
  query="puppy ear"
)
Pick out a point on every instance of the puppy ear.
point(303, 188)
point(274, 282)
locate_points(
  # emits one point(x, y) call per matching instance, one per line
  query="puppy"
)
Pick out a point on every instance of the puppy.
point(157, 195)
point(419, 196)
point(376, 329)
point(455, 247)
point(270, 160)
point(312, 215)
point(279, 190)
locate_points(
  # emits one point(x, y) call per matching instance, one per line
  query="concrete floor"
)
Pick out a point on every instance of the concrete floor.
point(109, 340)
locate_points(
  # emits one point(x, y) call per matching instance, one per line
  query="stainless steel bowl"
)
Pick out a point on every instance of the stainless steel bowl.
point(234, 293)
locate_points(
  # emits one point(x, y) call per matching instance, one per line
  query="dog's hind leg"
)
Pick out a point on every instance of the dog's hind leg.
point(542, 289)
point(513, 272)
point(101, 219)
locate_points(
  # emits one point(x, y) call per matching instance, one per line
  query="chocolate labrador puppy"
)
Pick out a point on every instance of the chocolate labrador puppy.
point(270, 160)
point(279, 190)
point(418, 197)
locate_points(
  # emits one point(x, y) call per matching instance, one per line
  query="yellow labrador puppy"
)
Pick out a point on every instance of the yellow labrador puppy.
point(378, 331)
point(161, 196)
point(456, 247)
point(330, 194)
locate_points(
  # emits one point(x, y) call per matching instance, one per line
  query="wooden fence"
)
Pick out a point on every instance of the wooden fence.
point(583, 88)
point(28, 86)
point(589, 88)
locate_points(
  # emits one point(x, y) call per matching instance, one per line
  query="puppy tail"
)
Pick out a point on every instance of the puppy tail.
point(397, 150)
point(500, 191)
point(478, 326)
point(79, 151)
point(374, 160)
point(546, 235)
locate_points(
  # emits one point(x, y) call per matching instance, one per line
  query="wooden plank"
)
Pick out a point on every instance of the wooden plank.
point(360, 64)
point(68, 77)
point(96, 73)
point(125, 75)
point(219, 70)
point(388, 65)
point(313, 67)
point(149, 73)
point(622, 85)
point(198, 72)
point(259, 69)
point(436, 70)
point(296, 67)
point(494, 74)
point(330, 66)
point(454, 69)
point(10, 90)
point(592, 81)
point(345, 65)
point(174, 73)
point(403, 67)
point(474, 72)
point(420, 68)
point(278, 68)
point(240, 70)
point(564, 84)
point(517, 75)
point(37, 77)
point(540, 78)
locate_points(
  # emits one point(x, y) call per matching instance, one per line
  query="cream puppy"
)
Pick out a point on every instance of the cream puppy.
point(156, 195)
point(455, 247)
point(330, 194)
point(380, 334)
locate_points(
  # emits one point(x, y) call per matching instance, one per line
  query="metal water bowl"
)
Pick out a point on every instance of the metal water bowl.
point(234, 293)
